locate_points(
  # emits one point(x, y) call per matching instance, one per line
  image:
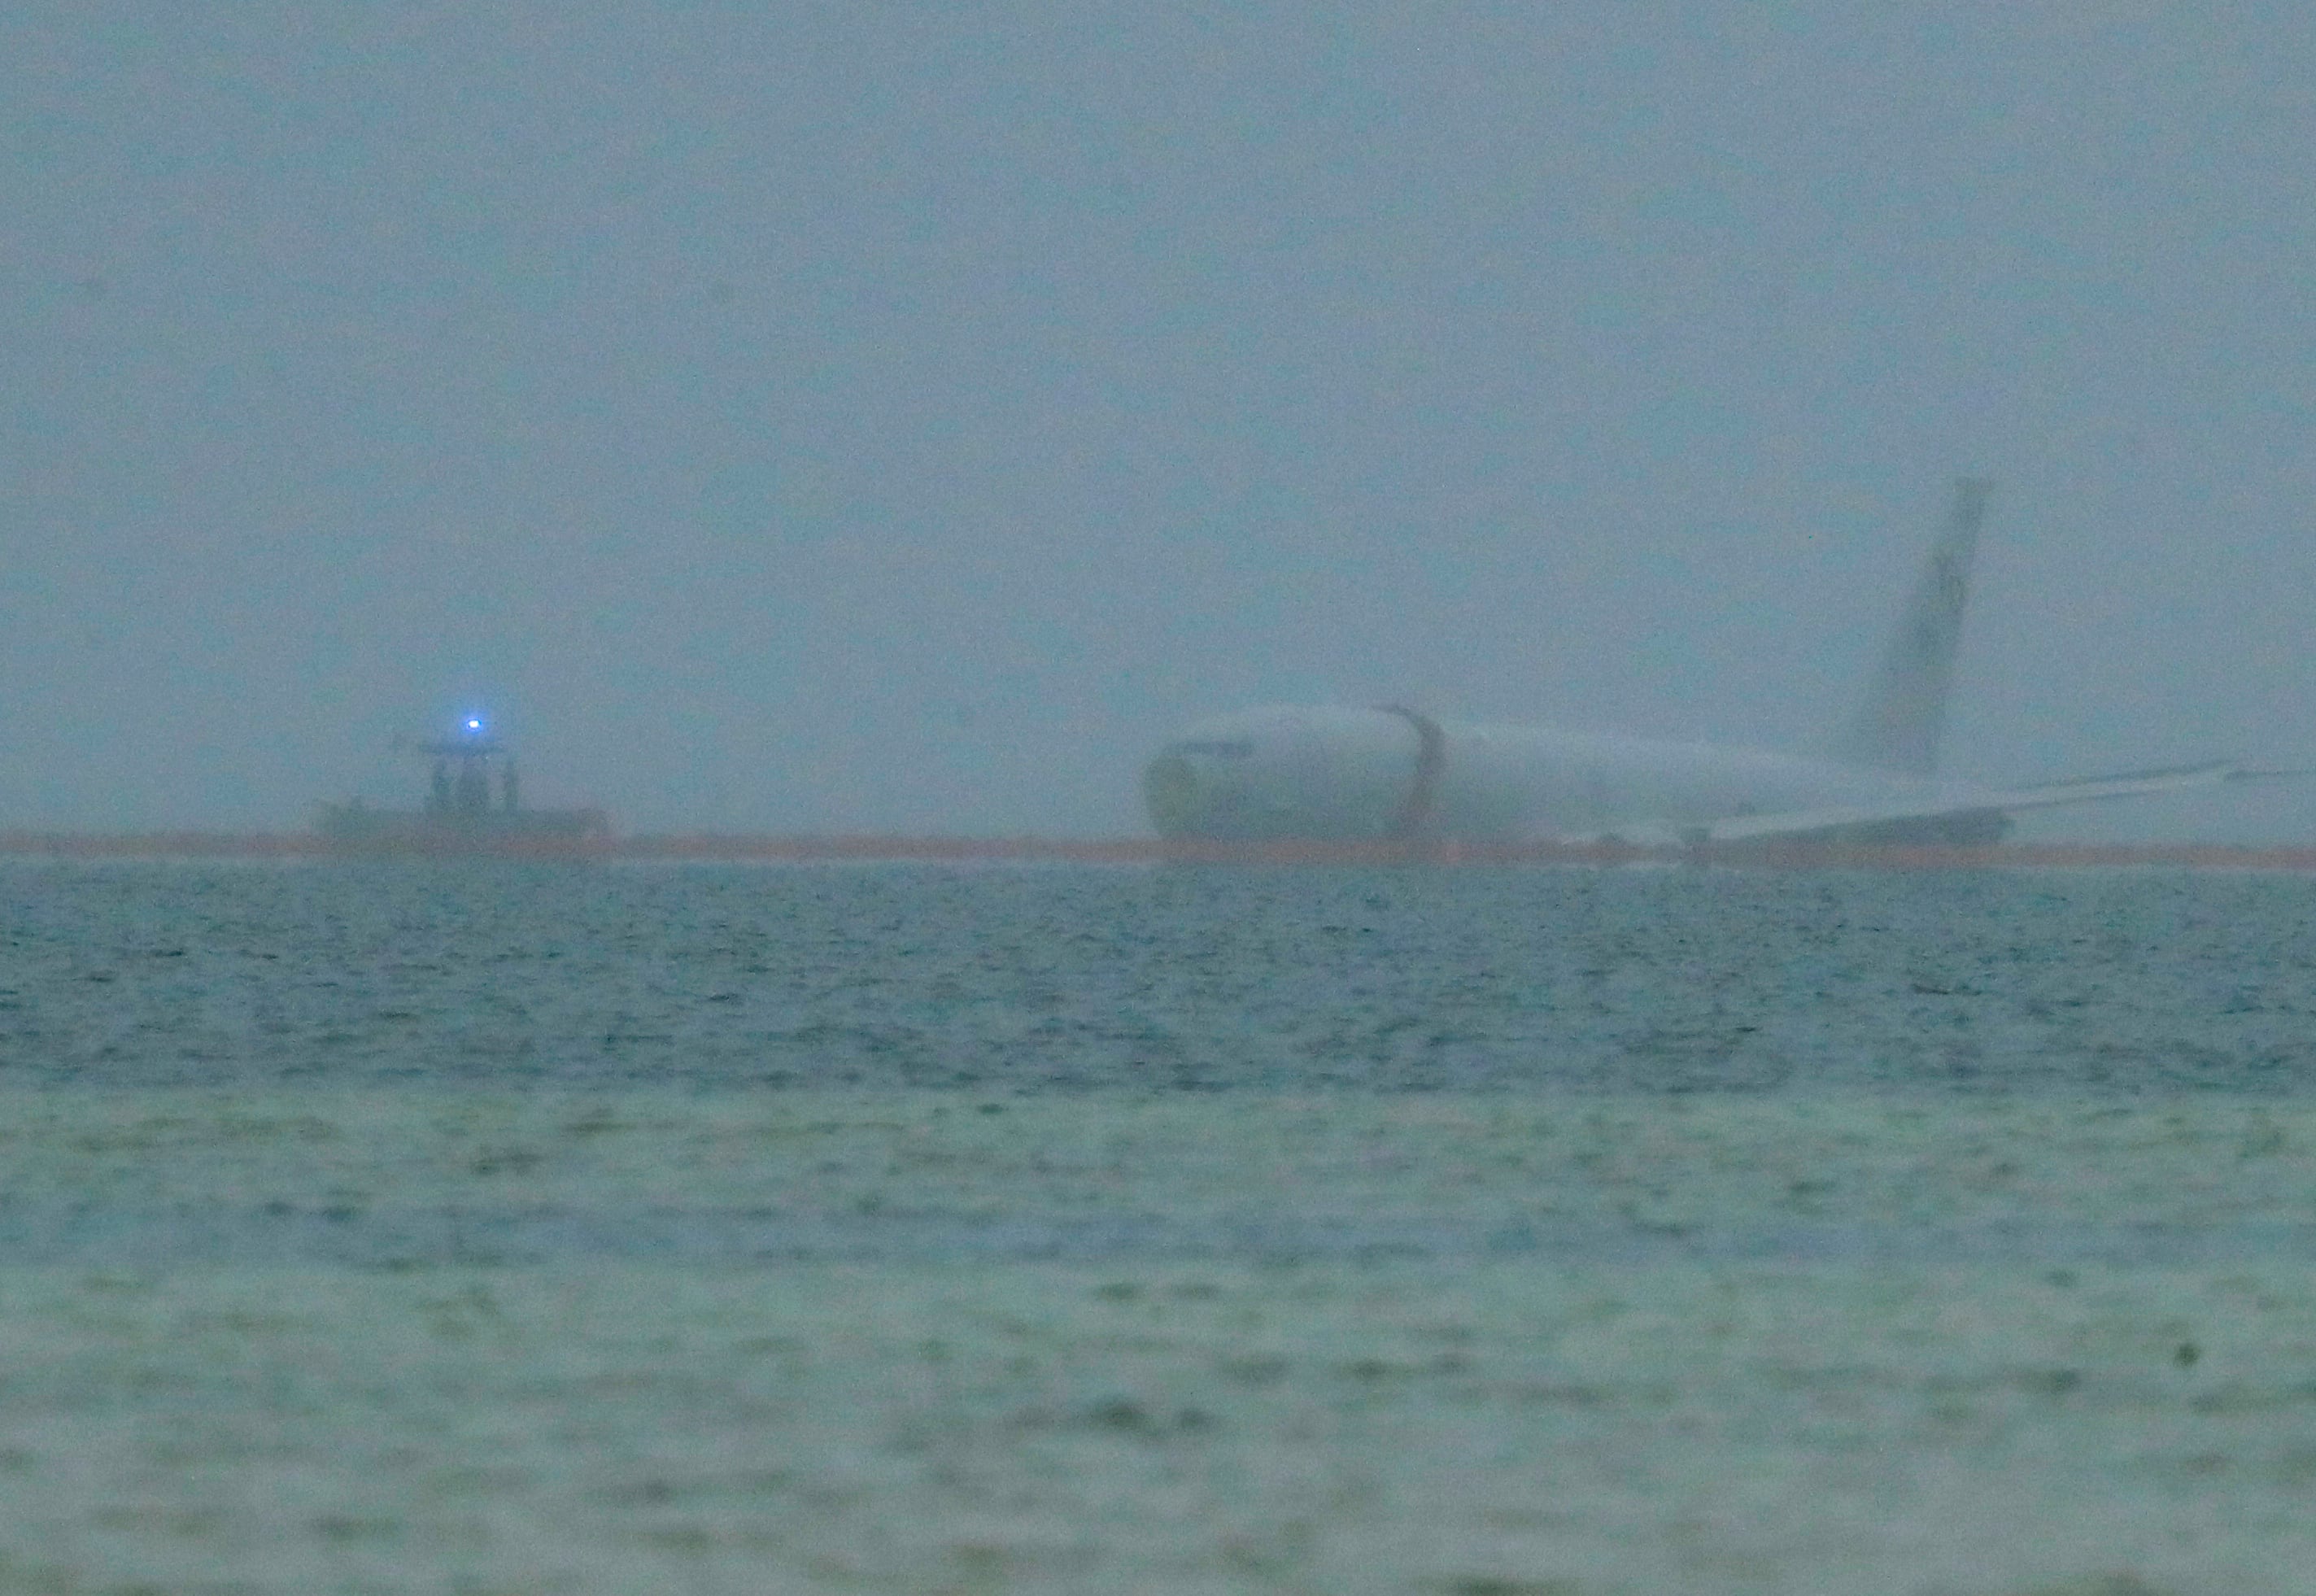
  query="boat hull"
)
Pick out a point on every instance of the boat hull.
point(357, 831)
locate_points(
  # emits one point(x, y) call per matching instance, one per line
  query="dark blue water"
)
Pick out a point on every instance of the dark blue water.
point(1034, 980)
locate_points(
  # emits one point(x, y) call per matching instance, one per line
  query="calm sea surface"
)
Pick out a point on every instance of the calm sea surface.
point(1492, 1233)
point(1022, 982)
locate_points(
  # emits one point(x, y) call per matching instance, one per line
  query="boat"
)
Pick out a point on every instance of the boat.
point(474, 809)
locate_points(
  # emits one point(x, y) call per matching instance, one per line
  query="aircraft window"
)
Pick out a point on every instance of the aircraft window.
point(1236, 749)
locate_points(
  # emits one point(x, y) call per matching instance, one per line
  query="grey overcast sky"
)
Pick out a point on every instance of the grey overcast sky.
point(861, 416)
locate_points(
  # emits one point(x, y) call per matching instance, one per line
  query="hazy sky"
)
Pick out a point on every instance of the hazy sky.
point(859, 416)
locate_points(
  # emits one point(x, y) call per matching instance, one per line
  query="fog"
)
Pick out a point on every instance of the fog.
point(855, 416)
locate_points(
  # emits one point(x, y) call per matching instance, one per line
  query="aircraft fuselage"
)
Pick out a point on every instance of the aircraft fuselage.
point(1290, 774)
point(1340, 774)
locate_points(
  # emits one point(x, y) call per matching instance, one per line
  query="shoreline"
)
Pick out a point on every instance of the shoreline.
point(709, 847)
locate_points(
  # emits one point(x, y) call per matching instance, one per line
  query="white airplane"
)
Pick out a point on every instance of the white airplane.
point(1292, 773)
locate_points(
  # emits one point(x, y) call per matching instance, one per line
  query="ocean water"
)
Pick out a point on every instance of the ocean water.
point(1029, 981)
point(915, 1229)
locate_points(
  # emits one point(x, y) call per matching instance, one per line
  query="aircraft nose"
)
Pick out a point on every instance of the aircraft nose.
point(1170, 791)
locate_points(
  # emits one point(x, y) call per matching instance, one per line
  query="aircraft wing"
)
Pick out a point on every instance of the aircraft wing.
point(1961, 803)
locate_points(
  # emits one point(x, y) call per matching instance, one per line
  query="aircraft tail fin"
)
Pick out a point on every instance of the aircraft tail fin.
point(1898, 726)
